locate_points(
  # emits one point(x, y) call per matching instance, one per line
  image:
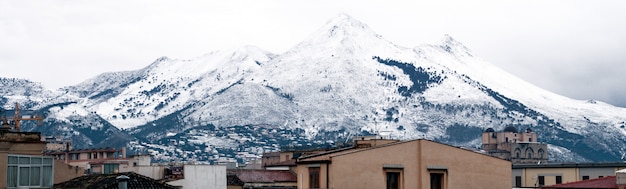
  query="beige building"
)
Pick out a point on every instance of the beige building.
point(518, 147)
point(536, 175)
point(22, 164)
point(100, 160)
point(379, 163)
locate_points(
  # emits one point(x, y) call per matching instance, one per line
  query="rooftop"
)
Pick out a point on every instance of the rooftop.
point(570, 165)
point(263, 176)
point(10, 136)
point(325, 156)
point(609, 182)
point(291, 162)
point(102, 181)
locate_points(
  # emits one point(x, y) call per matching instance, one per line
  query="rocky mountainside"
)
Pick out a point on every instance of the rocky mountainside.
point(344, 80)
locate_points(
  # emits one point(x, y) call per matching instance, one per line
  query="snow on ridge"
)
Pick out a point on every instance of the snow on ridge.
point(168, 85)
point(345, 37)
point(245, 57)
point(567, 111)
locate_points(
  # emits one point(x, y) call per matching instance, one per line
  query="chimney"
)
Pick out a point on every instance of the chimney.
point(124, 152)
point(122, 181)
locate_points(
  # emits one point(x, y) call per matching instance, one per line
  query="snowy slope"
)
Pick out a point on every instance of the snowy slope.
point(169, 85)
point(343, 80)
point(569, 112)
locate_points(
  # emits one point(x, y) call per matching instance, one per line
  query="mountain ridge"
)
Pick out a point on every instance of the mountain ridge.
point(343, 80)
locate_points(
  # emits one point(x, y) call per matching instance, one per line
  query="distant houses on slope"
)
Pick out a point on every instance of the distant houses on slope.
point(508, 159)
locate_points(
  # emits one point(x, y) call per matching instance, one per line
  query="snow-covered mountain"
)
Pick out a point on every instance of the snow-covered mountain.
point(344, 80)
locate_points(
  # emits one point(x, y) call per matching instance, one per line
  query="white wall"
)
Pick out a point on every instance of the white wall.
point(621, 177)
point(203, 176)
point(154, 172)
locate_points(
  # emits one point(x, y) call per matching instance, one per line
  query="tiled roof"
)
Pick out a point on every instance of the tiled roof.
point(609, 182)
point(264, 176)
point(232, 180)
point(109, 181)
point(291, 162)
point(325, 155)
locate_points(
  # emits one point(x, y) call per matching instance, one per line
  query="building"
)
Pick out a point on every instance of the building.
point(202, 176)
point(57, 144)
point(257, 179)
point(421, 164)
point(537, 175)
point(142, 164)
point(285, 160)
point(620, 177)
point(518, 147)
point(597, 183)
point(22, 164)
point(112, 181)
point(98, 160)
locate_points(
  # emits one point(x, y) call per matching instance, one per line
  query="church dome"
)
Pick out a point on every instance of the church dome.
point(511, 129)
point(489, 130)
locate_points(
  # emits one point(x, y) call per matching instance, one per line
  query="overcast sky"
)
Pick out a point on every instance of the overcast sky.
point(573, 48)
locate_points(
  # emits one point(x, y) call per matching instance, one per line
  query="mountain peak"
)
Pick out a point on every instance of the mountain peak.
point(343, 26)
point(453, 46)
point(344, 33)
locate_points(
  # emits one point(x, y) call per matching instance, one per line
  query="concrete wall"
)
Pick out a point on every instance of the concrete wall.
point(7, 147)
point(568, 174)
point(64, 172)
point(235, 187)
point(154, 172)
point(530, 176)
point(414, 160)
point(515, 173)
point(596, 172)
point(140, 160)
point(465, 169)
point(302, 174)
point(365, 169)
point(3, 168)
point(620, 178)
point(203, 176)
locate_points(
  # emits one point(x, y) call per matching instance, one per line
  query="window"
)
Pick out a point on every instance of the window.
point(517, 153)
point(541, 180)
point(530, 139)
point(111, 168)
point(314, 177)
point(559, 179)
point(29, 171)
point(393, 180)
point(529, 152)
point(585, 177)
point(436, 180)
point(518, 181)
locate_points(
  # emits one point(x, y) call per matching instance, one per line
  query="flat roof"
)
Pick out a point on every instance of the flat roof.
point(570, 165)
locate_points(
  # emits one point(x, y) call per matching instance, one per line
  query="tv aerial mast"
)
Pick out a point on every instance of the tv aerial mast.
point(18, 118)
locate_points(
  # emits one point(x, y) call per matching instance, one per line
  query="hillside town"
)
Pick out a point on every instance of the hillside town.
point(507, 159)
